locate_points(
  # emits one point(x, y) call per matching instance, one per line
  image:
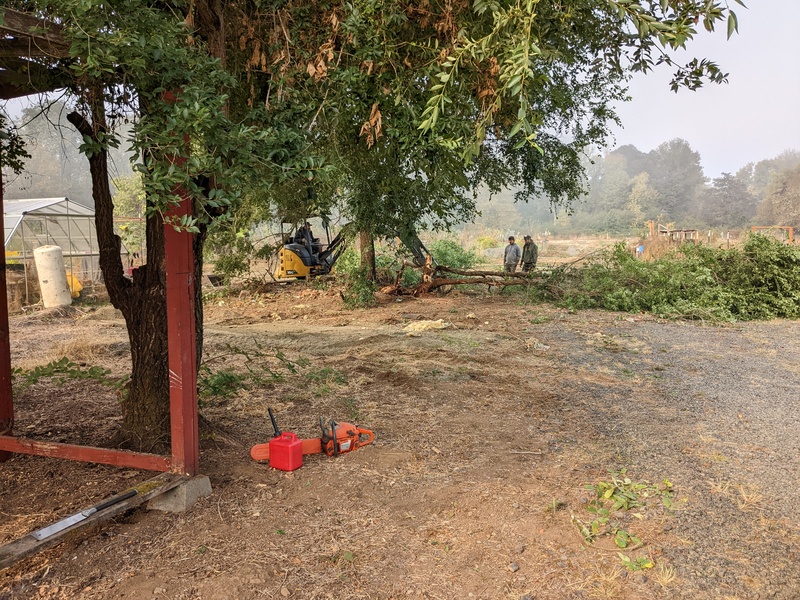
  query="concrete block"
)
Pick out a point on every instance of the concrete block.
point(183, 496)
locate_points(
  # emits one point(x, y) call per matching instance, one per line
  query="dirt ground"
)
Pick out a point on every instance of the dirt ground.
point(488, 433)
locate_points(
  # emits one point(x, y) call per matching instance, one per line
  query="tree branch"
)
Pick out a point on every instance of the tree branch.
point(110, 244)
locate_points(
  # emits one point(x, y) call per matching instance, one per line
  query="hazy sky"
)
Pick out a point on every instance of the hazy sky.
point(754, 116)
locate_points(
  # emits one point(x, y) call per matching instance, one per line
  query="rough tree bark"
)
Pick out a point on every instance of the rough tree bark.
point(142, 301)
point(367, 243)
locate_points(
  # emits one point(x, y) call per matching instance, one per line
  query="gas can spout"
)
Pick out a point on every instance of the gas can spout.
point(274, 423)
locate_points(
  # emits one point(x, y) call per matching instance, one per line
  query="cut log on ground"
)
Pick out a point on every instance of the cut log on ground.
point(436, 276)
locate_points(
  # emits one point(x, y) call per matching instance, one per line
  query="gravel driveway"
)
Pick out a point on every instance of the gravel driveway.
point(714, 409)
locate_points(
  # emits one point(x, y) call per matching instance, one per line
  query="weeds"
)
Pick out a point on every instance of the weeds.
point(257, 371)
point(353, 412)
point(63, 369)
point(461, 345)
point(326, 379)
point(636, 564)
point(610, 505)
point(539, 320)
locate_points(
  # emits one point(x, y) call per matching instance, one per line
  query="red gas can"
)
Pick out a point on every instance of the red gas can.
point(286, 452)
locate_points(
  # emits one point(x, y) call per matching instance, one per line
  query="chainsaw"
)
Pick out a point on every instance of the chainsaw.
point(336, 438)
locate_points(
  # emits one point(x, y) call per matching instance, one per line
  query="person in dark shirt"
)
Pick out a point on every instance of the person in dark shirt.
point(530, 254)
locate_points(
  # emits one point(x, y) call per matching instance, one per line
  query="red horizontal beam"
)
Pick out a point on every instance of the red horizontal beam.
point(119, 458)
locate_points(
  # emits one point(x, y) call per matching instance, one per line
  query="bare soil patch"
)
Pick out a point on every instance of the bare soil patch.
point(487, 433)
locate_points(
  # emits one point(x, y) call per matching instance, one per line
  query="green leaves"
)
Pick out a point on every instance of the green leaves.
point(642, 562)
point(12, 147)
point(63, 369)
point(733, 24)
point(611, 505)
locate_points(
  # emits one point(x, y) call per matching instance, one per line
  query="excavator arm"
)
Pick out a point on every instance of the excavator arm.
point(330, 255)
point(411, 241)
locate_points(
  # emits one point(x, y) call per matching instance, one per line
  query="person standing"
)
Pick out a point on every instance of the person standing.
point(530, 254)
point(511, 256)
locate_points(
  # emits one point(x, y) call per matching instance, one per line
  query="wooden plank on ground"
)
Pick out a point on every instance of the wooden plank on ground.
point(26, 546)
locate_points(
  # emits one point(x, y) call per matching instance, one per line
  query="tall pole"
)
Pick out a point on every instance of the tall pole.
point(6, 394)
point(179, 259)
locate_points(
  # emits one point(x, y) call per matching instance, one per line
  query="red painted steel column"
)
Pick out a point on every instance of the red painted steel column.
point(6, 397)
point(179, 258)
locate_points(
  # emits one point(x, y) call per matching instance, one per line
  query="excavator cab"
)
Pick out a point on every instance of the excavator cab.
point(303, 254)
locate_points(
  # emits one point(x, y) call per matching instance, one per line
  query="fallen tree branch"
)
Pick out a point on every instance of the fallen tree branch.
point(503, 274)
point(428, 286)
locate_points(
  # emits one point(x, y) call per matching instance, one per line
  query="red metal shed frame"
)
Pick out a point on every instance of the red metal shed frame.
point(184, 458)
point(25, 36)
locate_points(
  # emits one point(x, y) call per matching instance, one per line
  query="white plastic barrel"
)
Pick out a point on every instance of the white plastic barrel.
point(52, 276)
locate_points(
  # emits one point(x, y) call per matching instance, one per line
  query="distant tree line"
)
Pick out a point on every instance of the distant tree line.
point(627, 187)
point(56, 168)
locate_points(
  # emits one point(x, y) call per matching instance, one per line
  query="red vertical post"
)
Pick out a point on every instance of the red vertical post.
point(179, 259)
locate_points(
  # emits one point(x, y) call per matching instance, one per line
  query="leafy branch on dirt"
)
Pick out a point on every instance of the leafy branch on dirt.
point(758, 281)
point(256, 370)
point(63, 369)
point(610, 507)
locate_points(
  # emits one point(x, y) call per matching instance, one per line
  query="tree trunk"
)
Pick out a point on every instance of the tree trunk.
point(367, 243)
point(142, 301)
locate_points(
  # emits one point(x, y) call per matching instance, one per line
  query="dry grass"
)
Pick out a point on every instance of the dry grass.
point(81, 349)
point(748, 496)
point(664, 575)
point(719, 486)
point(603, 583)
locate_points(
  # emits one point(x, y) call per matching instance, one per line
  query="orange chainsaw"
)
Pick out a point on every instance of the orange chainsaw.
point(337, 438)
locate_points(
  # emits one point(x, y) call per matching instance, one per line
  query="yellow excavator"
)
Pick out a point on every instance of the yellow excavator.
point(303, 255)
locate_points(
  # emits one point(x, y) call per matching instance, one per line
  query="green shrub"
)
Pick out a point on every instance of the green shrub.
point(388, 262)
point(485, 242)
point(759, 281)
point(348, 263)
point(359, 292)
point(450, 253)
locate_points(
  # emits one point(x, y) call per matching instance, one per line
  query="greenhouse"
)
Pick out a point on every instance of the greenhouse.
point(61, 222)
